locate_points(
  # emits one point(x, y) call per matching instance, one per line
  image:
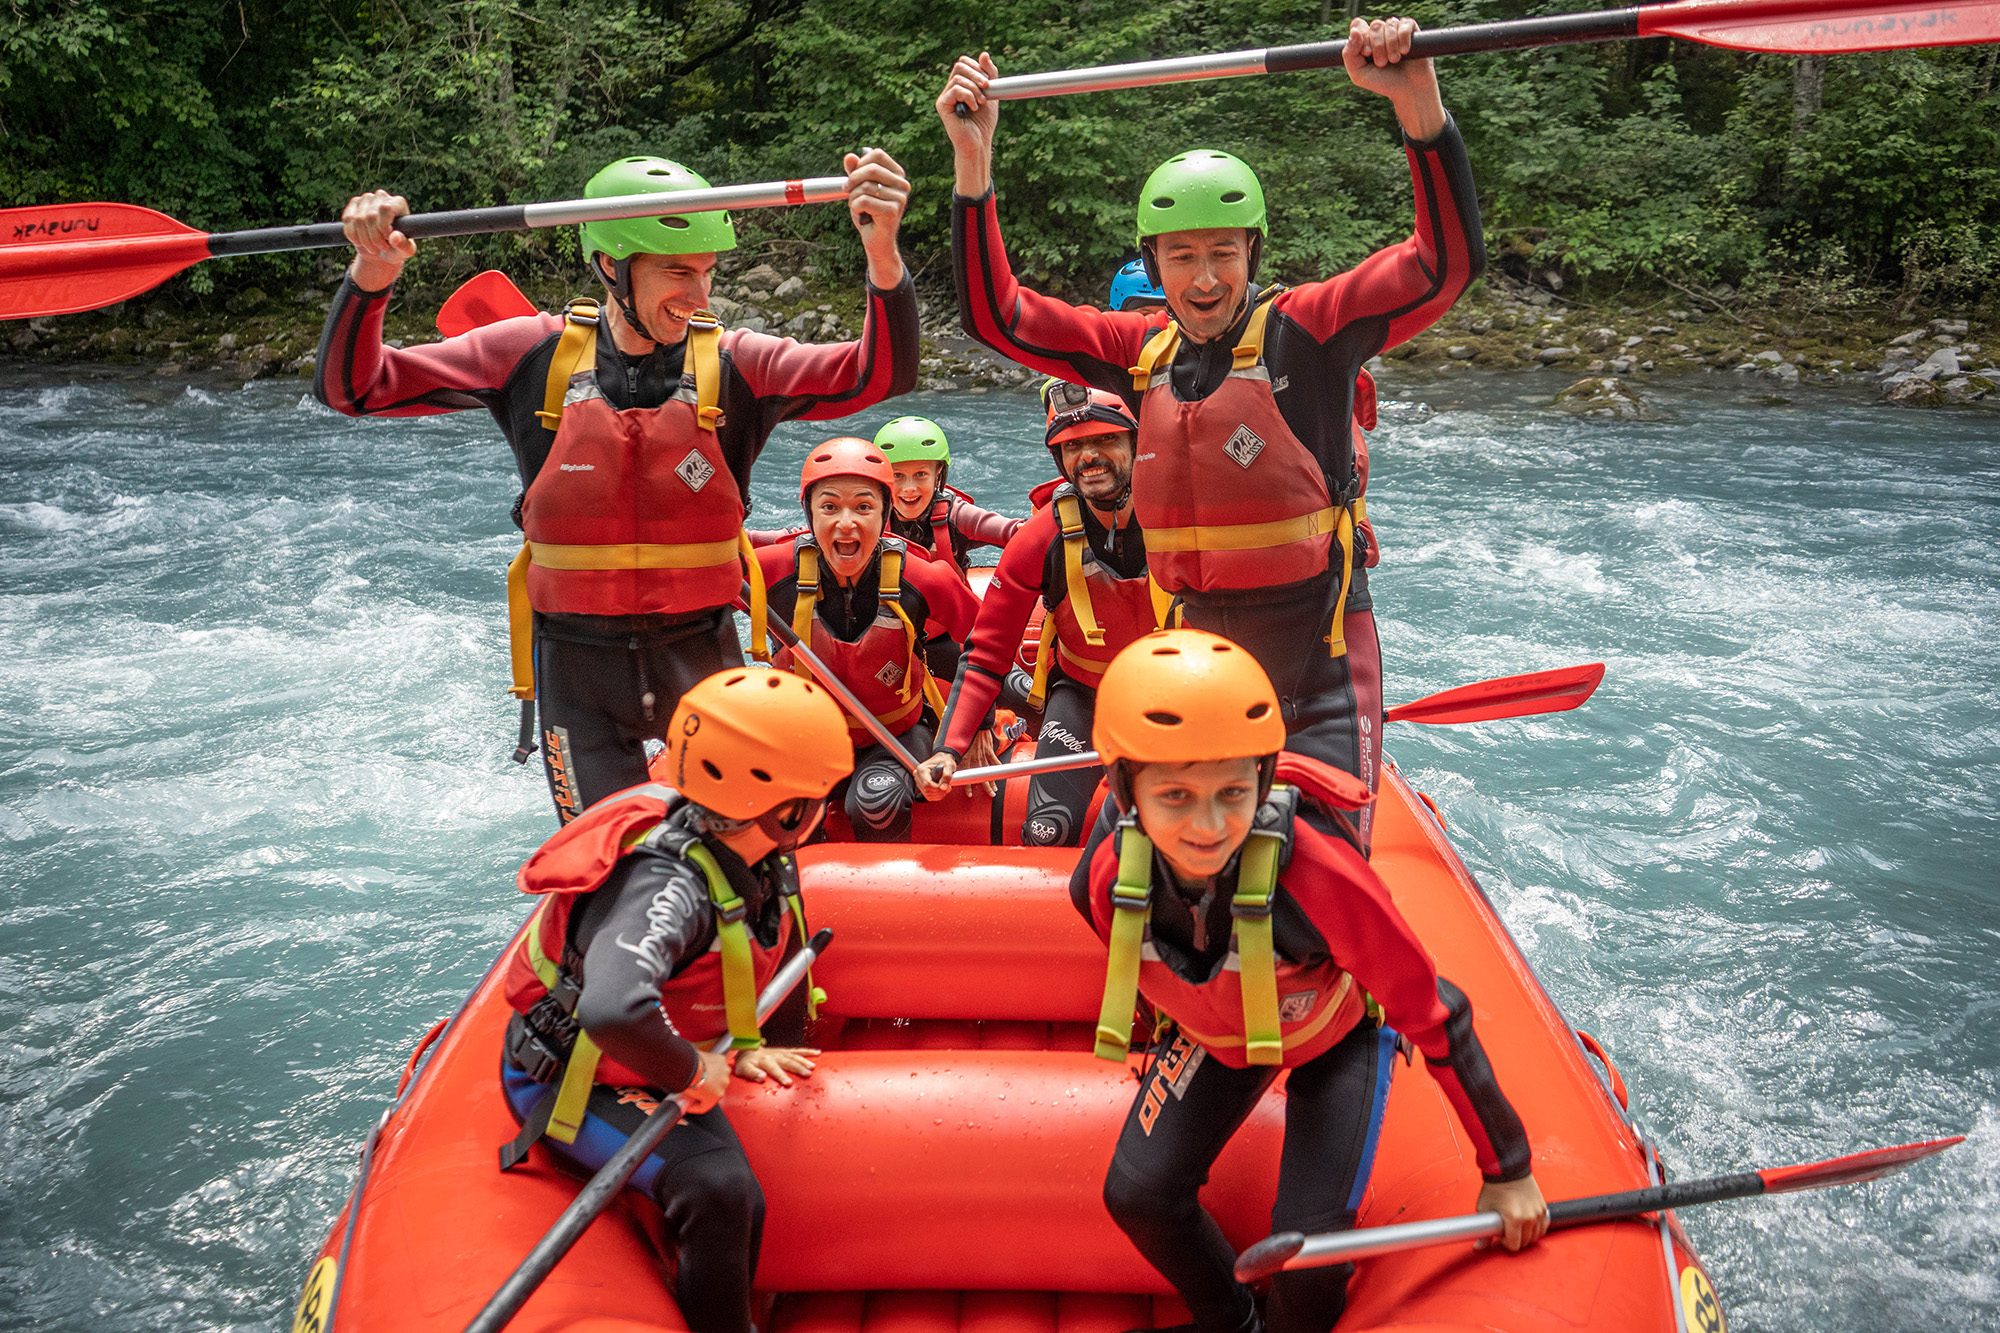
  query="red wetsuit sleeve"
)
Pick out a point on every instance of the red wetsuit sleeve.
point(1349, 905)
point(358, 374)
point(996, 631)
point(948, 602)
point(775, 560)
point(982, 527)
point(761, 537)
point(1079, 343)
point(1408, 286)
point(815, 381)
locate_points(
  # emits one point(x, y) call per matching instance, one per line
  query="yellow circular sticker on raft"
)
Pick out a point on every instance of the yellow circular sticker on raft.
point(313, 1302)
point(1698, 1303)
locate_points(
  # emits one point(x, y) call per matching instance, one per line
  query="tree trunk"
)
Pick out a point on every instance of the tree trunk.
point(1808, 90)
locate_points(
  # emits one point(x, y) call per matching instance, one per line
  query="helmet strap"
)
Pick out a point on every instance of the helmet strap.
point(619, 284)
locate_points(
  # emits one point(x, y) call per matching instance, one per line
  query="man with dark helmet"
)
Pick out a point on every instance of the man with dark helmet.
point(634, 425)
point(1249, 474)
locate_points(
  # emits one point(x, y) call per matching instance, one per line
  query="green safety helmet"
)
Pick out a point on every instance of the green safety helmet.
point(914, 440)
point(1203, 187)
point(679, 234)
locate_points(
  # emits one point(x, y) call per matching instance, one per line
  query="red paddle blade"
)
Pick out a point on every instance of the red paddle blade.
point(1823, 27)
point(1507, 696)
point(58, 259)
point(1853, 1167)
point(483, 298)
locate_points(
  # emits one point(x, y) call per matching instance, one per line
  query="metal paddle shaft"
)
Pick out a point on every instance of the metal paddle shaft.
point(611, 1177)
point(1291, 1250)
point(1482, 701)
point(836, 687)
point(58, 259)
point(1794, 27)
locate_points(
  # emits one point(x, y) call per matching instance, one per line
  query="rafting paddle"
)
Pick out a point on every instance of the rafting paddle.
point(611, 1177)
point(1289, 1251)
point(1786, 27)
point(59, 259)
point(1555, 691)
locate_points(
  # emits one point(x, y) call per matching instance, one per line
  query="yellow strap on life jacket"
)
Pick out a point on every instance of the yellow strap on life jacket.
point(1251, 350)
point(1245, 536)
point(1164, 615)
point(704, 354)
point(805, 603)
point(1045, 653)
point(892, 597)
point(1069, 519)
point(759, 609)
point(520, 626)
point(576, 349)
point(1131, 913)
point(635, 555)
point(1250, 914)
point(1336, 636)
point(739, 989)
point(1158, 351)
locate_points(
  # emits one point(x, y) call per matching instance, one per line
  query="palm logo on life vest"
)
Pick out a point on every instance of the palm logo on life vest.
point(1244, 446)
point(694, 470)
point(891, 674)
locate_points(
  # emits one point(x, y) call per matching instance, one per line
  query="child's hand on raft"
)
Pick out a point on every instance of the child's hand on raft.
point(1522, 1209)
point(776, 1062)
point(709, 1084)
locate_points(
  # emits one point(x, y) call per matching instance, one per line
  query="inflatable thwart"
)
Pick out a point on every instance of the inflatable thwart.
point(942, 1169)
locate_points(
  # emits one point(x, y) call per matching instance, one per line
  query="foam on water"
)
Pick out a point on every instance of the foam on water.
point(257, 830)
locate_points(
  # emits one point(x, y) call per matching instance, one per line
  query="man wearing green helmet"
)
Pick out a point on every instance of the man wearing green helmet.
point(634, 425)
point(1250, 468)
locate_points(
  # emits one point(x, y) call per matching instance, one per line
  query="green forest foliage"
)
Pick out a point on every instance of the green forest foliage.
point(1641, 164)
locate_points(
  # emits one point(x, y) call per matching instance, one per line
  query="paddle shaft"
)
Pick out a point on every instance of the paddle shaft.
point(1288, 1251)
point(611, 1177)
point(1799, 27)
point(1483, 701)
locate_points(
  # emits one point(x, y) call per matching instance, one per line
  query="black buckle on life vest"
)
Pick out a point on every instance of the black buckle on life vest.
point(524, 741)
point(532, 1053)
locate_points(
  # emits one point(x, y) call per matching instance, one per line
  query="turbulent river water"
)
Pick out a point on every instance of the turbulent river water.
point(257, 827)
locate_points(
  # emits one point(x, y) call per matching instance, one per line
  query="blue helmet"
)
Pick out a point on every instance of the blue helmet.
point(1131, 284)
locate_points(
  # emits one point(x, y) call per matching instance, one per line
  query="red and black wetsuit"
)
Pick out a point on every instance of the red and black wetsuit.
point(879, 795)
point(967, 524)
point(1317, 339)
point(1031, 568)
point(1331, 914)
point(607, 683)
point(627, 943)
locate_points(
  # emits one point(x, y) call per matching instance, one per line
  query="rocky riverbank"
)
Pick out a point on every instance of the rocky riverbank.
point(1598, 358)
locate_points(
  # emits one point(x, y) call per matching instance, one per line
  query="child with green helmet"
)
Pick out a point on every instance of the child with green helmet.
point(634, 425)
point(929, 514)
point(1250, 464)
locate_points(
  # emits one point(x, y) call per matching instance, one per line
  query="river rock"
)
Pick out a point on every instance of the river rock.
point(1621, 365)
point(724, 309)
point(1548, 356)
point(1600, 339)
point(1941, 364)
point(1605, 397)
point(762, 278)
point(1784, 373)
point(1956, 328)
point(24, 341)
point(1769, 354)
point(1906, 390)
point(790, 289)
point(1969, 389)
point(1633, 341)
point(800, 325)
point(1460, 352)
point(1906, 339)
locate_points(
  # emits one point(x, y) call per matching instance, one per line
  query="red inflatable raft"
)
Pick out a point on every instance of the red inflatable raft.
point(942, 1169)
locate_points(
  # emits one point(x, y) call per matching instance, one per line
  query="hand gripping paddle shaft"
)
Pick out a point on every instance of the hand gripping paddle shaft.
point(58, 259)
point(611, 1177)
point(1786, 27)
point(1290, 1250)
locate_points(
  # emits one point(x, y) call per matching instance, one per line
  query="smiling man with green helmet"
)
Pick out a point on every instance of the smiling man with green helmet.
point(1250, 399)
point(634, 423)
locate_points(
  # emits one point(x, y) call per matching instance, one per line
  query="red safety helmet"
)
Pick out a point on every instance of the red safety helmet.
point(847, 456)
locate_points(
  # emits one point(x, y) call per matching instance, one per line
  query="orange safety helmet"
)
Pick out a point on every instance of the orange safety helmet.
point(847, 456)
point(1076, 412)
point(754, 744)
point(1185, 696)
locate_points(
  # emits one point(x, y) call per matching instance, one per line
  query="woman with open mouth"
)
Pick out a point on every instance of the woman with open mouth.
point(855, 597)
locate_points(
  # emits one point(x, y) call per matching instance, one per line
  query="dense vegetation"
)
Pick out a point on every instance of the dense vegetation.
point(1640, 164)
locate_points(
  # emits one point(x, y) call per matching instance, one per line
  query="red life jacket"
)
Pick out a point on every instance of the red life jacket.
point(1258, 1007)
point(698, 1000)
point(635, 511)
point(884, 667)
point(1099, 613)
